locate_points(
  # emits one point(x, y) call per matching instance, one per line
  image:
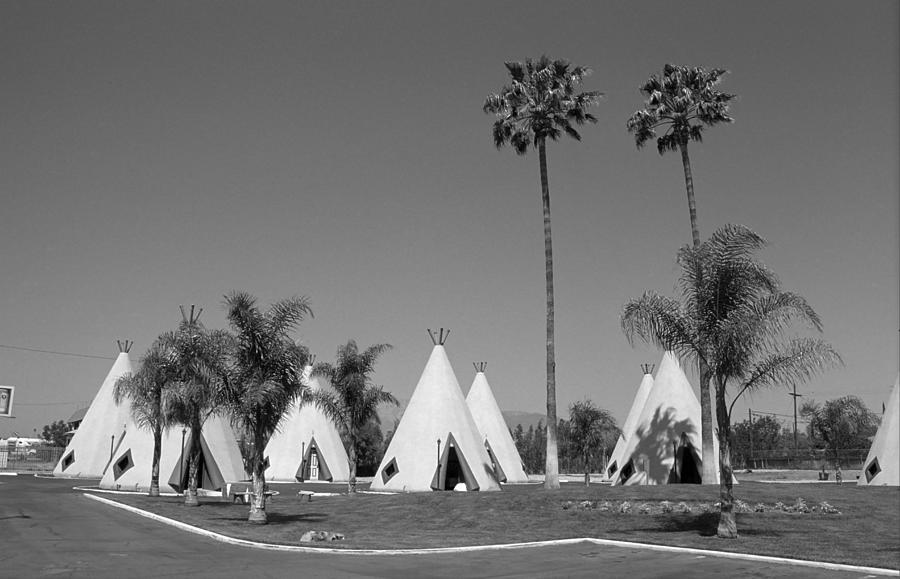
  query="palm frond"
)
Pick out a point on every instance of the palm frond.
point(685, 97)
point(540, 103)
point(285, 315)
point(800, 360)
point(331, 406)
point(658, 320)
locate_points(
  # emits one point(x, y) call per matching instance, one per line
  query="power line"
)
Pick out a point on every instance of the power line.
point(776, 414)
point(83, 402)
point(55, 352)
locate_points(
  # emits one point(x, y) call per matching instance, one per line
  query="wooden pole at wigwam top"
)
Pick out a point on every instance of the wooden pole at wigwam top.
point(439, 338)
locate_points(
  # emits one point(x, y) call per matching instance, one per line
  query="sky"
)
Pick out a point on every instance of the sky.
point(154, 154)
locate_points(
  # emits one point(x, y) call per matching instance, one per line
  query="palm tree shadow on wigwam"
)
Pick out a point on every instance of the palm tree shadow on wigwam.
point(663, 446)
point(733, 315)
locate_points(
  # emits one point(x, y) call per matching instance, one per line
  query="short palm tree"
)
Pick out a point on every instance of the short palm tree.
point(541, 103)
point(355, 400)
point(265, 378)
point(682, 103)
point(734, 318)
point(591, 428)
point(843, 422)
point(144, 390)
point(198, 360)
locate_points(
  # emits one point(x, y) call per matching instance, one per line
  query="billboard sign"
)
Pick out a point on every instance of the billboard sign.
point(6, 400)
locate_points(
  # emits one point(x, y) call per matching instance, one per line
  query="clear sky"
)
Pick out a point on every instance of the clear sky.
point(162, 153)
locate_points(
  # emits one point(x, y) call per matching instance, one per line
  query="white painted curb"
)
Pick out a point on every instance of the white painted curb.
point(441, 550)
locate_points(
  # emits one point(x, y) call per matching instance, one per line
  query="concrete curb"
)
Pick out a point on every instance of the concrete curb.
point(443, 550)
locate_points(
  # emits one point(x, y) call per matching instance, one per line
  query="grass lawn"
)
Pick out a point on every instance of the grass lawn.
point(867, 532)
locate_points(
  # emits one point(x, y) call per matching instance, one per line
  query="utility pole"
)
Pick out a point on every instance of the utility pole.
point(795, 396)
point(750, 432)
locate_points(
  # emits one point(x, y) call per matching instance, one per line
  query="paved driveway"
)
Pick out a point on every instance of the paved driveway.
point(49, 530)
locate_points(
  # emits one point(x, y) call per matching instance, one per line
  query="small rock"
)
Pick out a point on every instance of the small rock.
point(310, 536)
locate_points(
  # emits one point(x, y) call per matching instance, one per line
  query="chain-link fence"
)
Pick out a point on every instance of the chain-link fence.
point(30, 459)
point(809, 459)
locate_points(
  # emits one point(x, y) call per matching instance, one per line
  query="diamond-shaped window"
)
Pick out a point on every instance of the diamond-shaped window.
point(123, 464)
point(389, 471)
point(872, 470)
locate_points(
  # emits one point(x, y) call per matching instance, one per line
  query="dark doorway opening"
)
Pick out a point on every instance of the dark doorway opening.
point(688, 467)
point(454, 474)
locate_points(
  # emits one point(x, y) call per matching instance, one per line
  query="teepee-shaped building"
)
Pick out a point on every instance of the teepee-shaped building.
point(436, 445)
point(494, 431)
point(308, 445)
point(640, 399)
point(100, 432)
point(130, 468)
point(882, 467)
point(665, 446)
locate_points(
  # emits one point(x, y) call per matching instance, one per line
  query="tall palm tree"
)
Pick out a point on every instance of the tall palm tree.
point(144, 390)
point(682, 103)
point(198, 359)
point(265, 378)
point(734, 317)
point(541, 103)
point(355, 400)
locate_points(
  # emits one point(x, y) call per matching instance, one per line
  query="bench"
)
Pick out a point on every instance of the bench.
point(247, 495)
point(307, 494)
point(242, 492)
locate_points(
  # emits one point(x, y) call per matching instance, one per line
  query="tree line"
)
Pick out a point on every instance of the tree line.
point(835, 430)
point(585, 441)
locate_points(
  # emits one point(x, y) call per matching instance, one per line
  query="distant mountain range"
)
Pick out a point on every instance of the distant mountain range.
point(526, 419)
point(390, 414)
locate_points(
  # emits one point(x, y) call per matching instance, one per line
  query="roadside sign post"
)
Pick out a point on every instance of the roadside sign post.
point(6, 400)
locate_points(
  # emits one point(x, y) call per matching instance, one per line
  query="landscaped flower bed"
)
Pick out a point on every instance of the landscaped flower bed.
point(666, 507)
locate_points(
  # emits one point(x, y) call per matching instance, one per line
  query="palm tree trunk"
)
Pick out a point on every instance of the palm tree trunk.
point(706, 418)
point(351, 484)
point(689, 185)
point(727, 523)
point(708, 450)
point(551, 464)
point(190, 494)
point(587, 468)
point(157, 452)
point(258, 500)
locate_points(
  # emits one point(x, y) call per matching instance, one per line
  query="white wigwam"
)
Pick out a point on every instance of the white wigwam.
point(221, 462)
point(882, 466)
point(437, 445)
point(494, 431)
point(307, 445)
point(640, 399)
point(665, 446)
point(100, 432)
